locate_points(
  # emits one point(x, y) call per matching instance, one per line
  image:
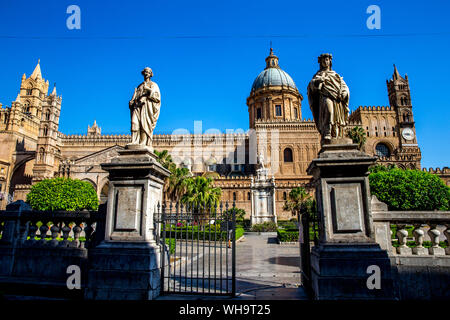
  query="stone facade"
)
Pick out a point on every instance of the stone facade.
point(33, 148)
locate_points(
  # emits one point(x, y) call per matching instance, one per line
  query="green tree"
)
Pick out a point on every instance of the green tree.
point(410, 189)
point(379, 167)
point(358, 136)
point(177, 183)
point(299, 201)
point(201, 194)
point(165, 159)
point(62, 194)
point(240, 213)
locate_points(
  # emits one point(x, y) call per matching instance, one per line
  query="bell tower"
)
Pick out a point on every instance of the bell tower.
point(400, 100)
point(26, 110)
point(47, 151)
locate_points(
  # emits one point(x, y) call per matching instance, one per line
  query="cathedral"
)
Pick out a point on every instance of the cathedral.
point(33, 148)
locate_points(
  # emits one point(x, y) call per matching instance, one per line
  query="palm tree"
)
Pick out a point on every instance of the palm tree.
point(358, 136)
point(200, 194)
point(165, 159)
point(299, 202)
point(177, 183)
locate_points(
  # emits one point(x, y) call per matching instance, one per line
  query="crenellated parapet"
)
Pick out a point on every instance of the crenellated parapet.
point(74, 139)
point(444, 170)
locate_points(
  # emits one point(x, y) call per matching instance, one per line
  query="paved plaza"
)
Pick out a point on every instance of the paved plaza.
point(265, 270)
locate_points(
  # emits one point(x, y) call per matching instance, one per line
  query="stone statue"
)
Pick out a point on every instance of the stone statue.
point(144, 108)
point(261, 160)
point(328, 97)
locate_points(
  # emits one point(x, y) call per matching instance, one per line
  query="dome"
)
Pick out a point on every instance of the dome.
point(273, 75)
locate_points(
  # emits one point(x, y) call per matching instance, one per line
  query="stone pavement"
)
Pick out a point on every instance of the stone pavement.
point(265, 270)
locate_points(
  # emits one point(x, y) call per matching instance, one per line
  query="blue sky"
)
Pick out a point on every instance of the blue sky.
point(206, 54)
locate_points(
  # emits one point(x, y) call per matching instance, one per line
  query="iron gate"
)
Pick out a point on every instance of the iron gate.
point(200, 249)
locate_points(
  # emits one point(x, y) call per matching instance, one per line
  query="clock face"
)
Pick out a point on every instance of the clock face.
point(408, 134)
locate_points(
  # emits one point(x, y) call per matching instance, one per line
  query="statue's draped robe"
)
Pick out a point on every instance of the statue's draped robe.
point(144, 106)
point(334, 88)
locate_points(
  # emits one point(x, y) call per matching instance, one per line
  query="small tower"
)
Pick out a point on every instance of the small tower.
point(47, 151)
point(94, 131)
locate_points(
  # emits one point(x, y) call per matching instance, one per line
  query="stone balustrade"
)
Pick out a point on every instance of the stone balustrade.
point(52, 229)
point(430, 226)
point(37, 247)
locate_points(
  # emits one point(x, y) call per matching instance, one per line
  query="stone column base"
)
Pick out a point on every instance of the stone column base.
point(124, 271)
point(340, 272)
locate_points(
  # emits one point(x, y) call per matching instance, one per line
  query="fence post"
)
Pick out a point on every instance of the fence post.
point(233, 253)
point(305, 252)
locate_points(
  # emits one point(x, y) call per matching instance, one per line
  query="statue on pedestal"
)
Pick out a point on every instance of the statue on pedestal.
point(328, 97)
point(144, 108)
point(261, 171)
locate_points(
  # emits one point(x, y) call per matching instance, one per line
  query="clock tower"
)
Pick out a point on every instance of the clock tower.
point(400, 100)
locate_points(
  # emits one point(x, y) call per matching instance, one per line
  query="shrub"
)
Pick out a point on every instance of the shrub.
point(409, 189)
point(287, 235)
point(264, 227)
point(197, 234)
point(240, 214)
point(62, 194)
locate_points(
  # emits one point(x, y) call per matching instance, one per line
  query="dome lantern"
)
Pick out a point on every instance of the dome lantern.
point(273, 75)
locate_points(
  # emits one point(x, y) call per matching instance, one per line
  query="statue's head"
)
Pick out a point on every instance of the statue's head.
point(147, 73)
point(325, 61)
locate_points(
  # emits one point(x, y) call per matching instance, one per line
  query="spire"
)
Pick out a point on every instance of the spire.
point(37, 71)
point(18, 98)
point(54, 90)
point(396, 75)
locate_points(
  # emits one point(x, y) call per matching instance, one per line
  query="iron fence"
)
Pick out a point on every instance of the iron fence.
point(200, 248)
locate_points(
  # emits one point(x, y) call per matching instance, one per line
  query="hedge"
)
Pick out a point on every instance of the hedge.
point(291, 235)
point(195, 234)
point(264, 227)
point(62, 194)
point(410, 189)
point(287, 236)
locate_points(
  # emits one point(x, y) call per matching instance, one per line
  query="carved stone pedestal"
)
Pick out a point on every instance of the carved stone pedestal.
point(263, 198)
point(341, 263)
point(126, 265)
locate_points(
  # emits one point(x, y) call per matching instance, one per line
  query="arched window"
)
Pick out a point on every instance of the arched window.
point(258, 113)
point(295, 113)
point(248, 196)
point(382, 150)
point(234, 196)
point(47, 115)
point(278, 110)
point(45, 130)
point(284, 196)
point(288, 155)
point(406, 117)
